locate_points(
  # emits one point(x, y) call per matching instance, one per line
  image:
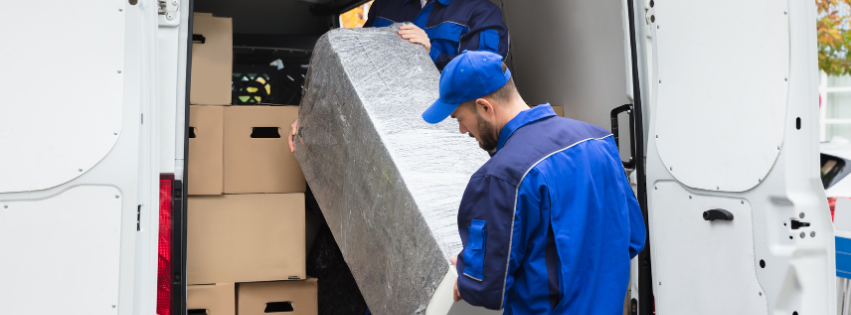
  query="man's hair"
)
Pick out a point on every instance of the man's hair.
point(502, 95)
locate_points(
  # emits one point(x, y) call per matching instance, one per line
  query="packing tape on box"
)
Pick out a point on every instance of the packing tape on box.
point(388, 183)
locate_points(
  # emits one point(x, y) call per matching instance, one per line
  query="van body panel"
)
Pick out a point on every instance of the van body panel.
point(63, 89)
point(76, 271)
point(747, 93)
point(104, 57)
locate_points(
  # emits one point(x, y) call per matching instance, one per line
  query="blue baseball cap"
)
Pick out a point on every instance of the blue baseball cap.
point(468, 76)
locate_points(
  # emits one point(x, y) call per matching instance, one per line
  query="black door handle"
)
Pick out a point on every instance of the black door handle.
point(717, 214)
point(615, 112)
point(199, 38)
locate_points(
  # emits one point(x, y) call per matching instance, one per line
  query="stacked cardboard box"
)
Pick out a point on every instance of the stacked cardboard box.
point(212, 59)
point(246, 213)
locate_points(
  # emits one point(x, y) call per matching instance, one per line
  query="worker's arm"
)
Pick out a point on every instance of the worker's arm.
point(373, 9)
point(415, 35)
point(487, 32)
point(494, 226)
point(293, 134)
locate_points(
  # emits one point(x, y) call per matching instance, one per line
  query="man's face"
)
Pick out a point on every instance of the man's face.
point(477, 125)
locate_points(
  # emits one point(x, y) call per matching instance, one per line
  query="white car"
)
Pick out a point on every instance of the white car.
point(835, 167)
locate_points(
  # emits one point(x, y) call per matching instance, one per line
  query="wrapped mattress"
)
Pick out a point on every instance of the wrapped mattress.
point(388, 184)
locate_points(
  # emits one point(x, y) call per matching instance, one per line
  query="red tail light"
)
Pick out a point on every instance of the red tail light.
point(164, 283)
point(831, 201)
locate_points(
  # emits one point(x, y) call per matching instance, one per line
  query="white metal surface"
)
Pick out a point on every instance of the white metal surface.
point(722, 90)
point(62, 83)
point(145, 25)
point(180, 116)
point(130, 166)
point(61, 253)
point(700, 256)
point(168, 44)
point(842, 227)
point(800, 265)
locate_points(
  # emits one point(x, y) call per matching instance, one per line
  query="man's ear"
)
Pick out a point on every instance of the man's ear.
point(485, 106)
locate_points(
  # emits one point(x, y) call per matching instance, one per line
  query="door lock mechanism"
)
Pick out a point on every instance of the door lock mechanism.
point(168, 9)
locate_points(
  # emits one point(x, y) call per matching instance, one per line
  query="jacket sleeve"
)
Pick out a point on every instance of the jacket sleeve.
point(492, 229)
point(487, 32)
point(373, 9)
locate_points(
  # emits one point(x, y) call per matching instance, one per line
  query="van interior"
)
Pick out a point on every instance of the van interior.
point(564, 53)
point(569, 53)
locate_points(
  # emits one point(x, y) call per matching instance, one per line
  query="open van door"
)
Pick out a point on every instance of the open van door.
point(739, 223)
point(79, 179)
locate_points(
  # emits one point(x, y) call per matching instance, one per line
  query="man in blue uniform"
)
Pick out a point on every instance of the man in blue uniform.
point(445, 27)
point(549, 224)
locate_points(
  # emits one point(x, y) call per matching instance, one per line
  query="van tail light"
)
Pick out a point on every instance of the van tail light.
point(164, 283)
point(831, 201)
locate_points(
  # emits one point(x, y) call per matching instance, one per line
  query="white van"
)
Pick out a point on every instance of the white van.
point(723, 95)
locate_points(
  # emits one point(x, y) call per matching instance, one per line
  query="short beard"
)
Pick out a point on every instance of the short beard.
point(487, 138)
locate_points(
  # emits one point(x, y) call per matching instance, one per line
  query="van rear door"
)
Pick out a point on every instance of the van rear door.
point(739, 223)
point(78, 169)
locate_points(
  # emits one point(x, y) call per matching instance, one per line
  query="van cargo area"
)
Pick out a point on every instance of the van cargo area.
point(157, 177)
point(248, 203)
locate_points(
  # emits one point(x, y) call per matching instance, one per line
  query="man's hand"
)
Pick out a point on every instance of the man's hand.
point(456, 295)
point(415, 35)
point(293, 133)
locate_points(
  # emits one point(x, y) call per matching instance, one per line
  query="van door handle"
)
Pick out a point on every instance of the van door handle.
point(717, 214)
point(615, 112)
point(199, 38)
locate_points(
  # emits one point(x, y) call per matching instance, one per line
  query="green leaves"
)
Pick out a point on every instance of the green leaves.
point(834, 37)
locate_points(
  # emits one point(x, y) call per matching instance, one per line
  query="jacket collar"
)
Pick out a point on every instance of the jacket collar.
point(523, 118)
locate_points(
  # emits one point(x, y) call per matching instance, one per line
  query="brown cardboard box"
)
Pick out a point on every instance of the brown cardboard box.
point(211, 299)
point(206, 158)
point(257, 155)
point(212, 60)
point(245, 238)
point(294, 297)
point(559, 109)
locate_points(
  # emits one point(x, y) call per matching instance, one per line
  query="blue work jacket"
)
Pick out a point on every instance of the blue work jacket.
point(452, 25)
point(549, 224)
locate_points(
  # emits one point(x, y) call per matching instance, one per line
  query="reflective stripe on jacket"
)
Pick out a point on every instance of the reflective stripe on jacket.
point(549, 224)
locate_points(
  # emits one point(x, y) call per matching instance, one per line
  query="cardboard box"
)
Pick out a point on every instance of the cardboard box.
point(559, 109)
point(211, 299)
point(206, 155)
point(257, 154)
point(212, 60)
point(245, 238)
point(293, 297)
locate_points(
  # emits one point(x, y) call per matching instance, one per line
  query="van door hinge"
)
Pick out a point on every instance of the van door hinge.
point(168, 11)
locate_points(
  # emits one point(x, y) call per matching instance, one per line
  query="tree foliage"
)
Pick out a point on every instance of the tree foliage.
point(834, 37)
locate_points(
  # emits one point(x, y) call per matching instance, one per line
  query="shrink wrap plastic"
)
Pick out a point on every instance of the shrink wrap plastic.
point(388, 183)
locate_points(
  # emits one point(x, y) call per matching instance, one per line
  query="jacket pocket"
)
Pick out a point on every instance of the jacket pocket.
point(489, 40)
point(474, 254)
point(447, 31)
